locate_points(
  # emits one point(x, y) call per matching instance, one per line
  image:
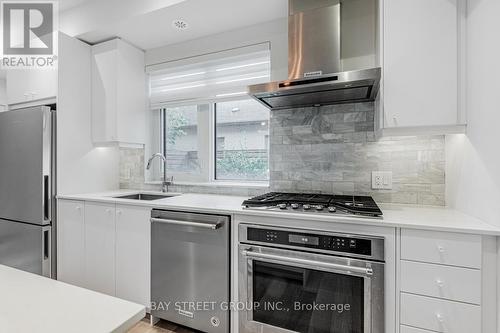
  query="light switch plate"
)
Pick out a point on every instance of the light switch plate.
point(382, 180)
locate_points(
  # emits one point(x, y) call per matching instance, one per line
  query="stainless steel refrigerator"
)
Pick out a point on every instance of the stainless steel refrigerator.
point(27, 183)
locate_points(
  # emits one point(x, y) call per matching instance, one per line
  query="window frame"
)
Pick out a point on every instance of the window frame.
point(201, 144)
point(207, 148)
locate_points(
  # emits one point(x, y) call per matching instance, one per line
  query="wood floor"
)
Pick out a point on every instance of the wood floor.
point(161, 327)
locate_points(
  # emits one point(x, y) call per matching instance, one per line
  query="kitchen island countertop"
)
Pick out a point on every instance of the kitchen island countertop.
point(32, 303)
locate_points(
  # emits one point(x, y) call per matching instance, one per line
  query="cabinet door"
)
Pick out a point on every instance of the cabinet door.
point(133, 252)
point(26, 85)
point(100, 247)
point(131, 101)
point(118, 93)
point(104, 92)
point(70, 242)
point(420, 62)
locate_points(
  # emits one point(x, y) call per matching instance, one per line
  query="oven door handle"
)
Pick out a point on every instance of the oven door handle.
point(327, 265)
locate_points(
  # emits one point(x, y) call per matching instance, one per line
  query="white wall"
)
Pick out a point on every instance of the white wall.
point(275, 32)
point(473, 161)
point(3, 94)
point(81, 167)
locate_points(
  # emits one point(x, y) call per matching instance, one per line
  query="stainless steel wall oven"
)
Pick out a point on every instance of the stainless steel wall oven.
point(295, 280)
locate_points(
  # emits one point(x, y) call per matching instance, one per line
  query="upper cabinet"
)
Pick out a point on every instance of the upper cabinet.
point(422, 43)
point(118, 93)
point(30, 85)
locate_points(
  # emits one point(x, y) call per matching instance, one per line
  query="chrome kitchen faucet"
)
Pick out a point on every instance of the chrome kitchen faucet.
point(166, 183)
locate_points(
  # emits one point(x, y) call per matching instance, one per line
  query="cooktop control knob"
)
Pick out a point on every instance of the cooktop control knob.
point(295, 206)
point(319, 207)
point(306, 207)
point(282, 206)
point(332, 209)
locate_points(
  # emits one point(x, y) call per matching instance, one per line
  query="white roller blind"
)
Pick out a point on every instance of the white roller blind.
point(213, 76)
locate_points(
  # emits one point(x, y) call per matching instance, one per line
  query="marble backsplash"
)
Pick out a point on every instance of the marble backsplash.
point(331, 149)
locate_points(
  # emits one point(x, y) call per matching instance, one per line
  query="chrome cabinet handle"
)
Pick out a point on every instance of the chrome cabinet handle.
point(359, 270)
point(188, 223)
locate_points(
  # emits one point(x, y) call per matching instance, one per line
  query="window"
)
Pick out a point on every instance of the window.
point(244, 127)
point(180, 138)
point(240, 141)
point(210, 130)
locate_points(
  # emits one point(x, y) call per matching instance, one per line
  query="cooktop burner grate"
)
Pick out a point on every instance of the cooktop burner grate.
point(306, 202)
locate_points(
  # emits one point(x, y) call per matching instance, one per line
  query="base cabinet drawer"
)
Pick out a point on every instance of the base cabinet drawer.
point(406, 329)
point(452, 283)
point(441, 248)
point(439, 315)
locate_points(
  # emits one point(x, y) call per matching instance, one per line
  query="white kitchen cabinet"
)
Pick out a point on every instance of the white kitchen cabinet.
point(439, 315)
point(70, 242)
point(445, 248)
point(133, 253)
point(441, 281)
point(118, 93)
point(27, 85)
point(106, 248)
point(100, 247)
point(422, 64)
point(447, 282)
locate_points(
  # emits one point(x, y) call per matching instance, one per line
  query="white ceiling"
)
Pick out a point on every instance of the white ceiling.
point(205, 17)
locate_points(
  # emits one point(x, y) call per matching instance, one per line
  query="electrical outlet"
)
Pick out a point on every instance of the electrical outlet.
point(382, 180)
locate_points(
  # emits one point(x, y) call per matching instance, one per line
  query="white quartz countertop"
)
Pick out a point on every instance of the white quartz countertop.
point(404, 216)
point(32, 303)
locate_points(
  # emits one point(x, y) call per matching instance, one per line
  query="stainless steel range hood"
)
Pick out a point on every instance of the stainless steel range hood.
point(315, 75)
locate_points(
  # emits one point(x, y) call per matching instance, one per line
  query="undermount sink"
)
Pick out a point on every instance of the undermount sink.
point(145, 196)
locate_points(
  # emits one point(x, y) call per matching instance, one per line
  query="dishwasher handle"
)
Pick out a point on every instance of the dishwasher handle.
point(212, 226)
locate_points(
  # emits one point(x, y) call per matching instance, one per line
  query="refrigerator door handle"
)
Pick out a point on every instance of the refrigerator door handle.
point(46, 199)
point(46, 172)
point(46, 251)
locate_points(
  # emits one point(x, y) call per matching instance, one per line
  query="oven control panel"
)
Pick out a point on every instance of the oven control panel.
point(332, 243)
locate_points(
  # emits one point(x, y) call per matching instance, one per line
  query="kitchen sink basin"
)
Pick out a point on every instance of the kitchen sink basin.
point(145, 196)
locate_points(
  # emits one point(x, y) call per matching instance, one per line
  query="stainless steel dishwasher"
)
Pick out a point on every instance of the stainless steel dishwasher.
point(190, 269)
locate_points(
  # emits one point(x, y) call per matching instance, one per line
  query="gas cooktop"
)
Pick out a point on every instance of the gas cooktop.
point(315, 203)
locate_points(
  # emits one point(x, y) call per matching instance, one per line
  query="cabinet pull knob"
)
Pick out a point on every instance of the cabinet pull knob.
point(440, 317)
point(440, 283)
point(440, 249)
point(395, 120)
